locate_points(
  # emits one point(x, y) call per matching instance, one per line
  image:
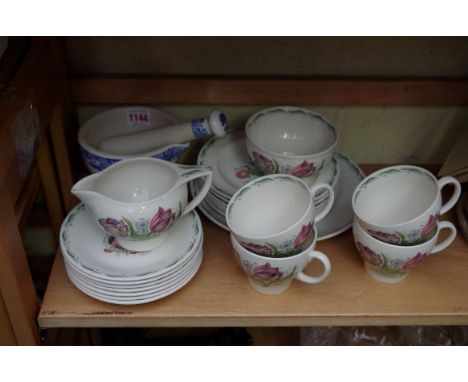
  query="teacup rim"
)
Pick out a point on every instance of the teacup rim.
point(311, 247)
point(249, 123)
point(395, 246)
point(251, 183)
point(375, 173)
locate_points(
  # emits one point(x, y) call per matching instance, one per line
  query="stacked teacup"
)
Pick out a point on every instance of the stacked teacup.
point(272, 219)
point(272, 222)
point(396, 219)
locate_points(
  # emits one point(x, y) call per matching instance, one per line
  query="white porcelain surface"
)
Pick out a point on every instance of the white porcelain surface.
point(290, 140)
point(389, 263)
point(274, 215)
point(274, 275)
point(401, 204)
point(139, 291)
point(336, 222)
point(95, 254)
point(138, 200)
point(157, 294)
point(121, 121)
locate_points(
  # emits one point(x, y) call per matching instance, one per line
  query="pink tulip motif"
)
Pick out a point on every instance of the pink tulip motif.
point(369, 255)
point(387, 237)
point(430, 225)
point(303, 235)
point(267, 273)
point(414, 260)
point(257, 248)
point(162, 220)
point(303, 170)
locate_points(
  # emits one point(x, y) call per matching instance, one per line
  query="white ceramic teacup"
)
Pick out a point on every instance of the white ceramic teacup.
point(275, 275)
point(389, 263)
point(138, 200)
point(274, 215)
point(401, 204)
point(290, 140)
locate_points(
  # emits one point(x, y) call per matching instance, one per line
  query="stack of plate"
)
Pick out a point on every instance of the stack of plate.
point(232, 169)
point(102, 269)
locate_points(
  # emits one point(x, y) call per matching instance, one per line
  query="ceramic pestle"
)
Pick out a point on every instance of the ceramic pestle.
point(146, 140)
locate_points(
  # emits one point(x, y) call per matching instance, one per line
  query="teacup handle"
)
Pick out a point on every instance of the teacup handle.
point(317, 187)
point(441, 246)
point(188, 173)
point(456, 192)
point(301, 276)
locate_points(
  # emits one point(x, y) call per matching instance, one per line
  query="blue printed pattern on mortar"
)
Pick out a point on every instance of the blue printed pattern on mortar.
point(96, 163)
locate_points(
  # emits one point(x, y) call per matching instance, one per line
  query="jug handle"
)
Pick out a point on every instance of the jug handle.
point(189, 173)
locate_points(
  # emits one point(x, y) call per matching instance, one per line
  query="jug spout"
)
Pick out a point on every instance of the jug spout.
point(85, 190)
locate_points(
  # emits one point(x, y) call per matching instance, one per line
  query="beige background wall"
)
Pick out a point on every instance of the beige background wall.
point(368, 134)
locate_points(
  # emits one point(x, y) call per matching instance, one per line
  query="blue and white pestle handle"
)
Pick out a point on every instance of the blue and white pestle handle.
point(147, 140)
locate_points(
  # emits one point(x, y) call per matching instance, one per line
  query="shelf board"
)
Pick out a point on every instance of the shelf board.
point(435, 293)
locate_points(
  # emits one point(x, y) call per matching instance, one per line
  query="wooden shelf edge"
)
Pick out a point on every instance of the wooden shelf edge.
point(234, 90)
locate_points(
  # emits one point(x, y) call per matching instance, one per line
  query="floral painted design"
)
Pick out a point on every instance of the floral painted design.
point(410, 263)
point(369, 255)
point(414, 237)
point(111, 245)
point(162, 220)
point(303, 169)
point(383, 236)
point(265, 274)
point(260, 249)
point(114, 226)
point(303, 235)
point(142, 228)
point(430, 225)
point(247, 171)
point(386, 266)
point(287, 248)
point(266, 165)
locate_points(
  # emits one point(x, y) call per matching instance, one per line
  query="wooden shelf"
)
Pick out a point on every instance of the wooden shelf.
point(435, 293)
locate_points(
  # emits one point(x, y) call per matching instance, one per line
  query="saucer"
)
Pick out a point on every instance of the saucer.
point(338, 220)
point(88, 249)
point(144, 298)
point(129, 285)
point(124, 292)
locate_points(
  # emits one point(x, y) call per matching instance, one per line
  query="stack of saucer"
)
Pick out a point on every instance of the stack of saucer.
point(232, 169)
point(102, 269)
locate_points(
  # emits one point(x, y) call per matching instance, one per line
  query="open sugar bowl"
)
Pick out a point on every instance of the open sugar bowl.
point(290, 140)
point(138, 200)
